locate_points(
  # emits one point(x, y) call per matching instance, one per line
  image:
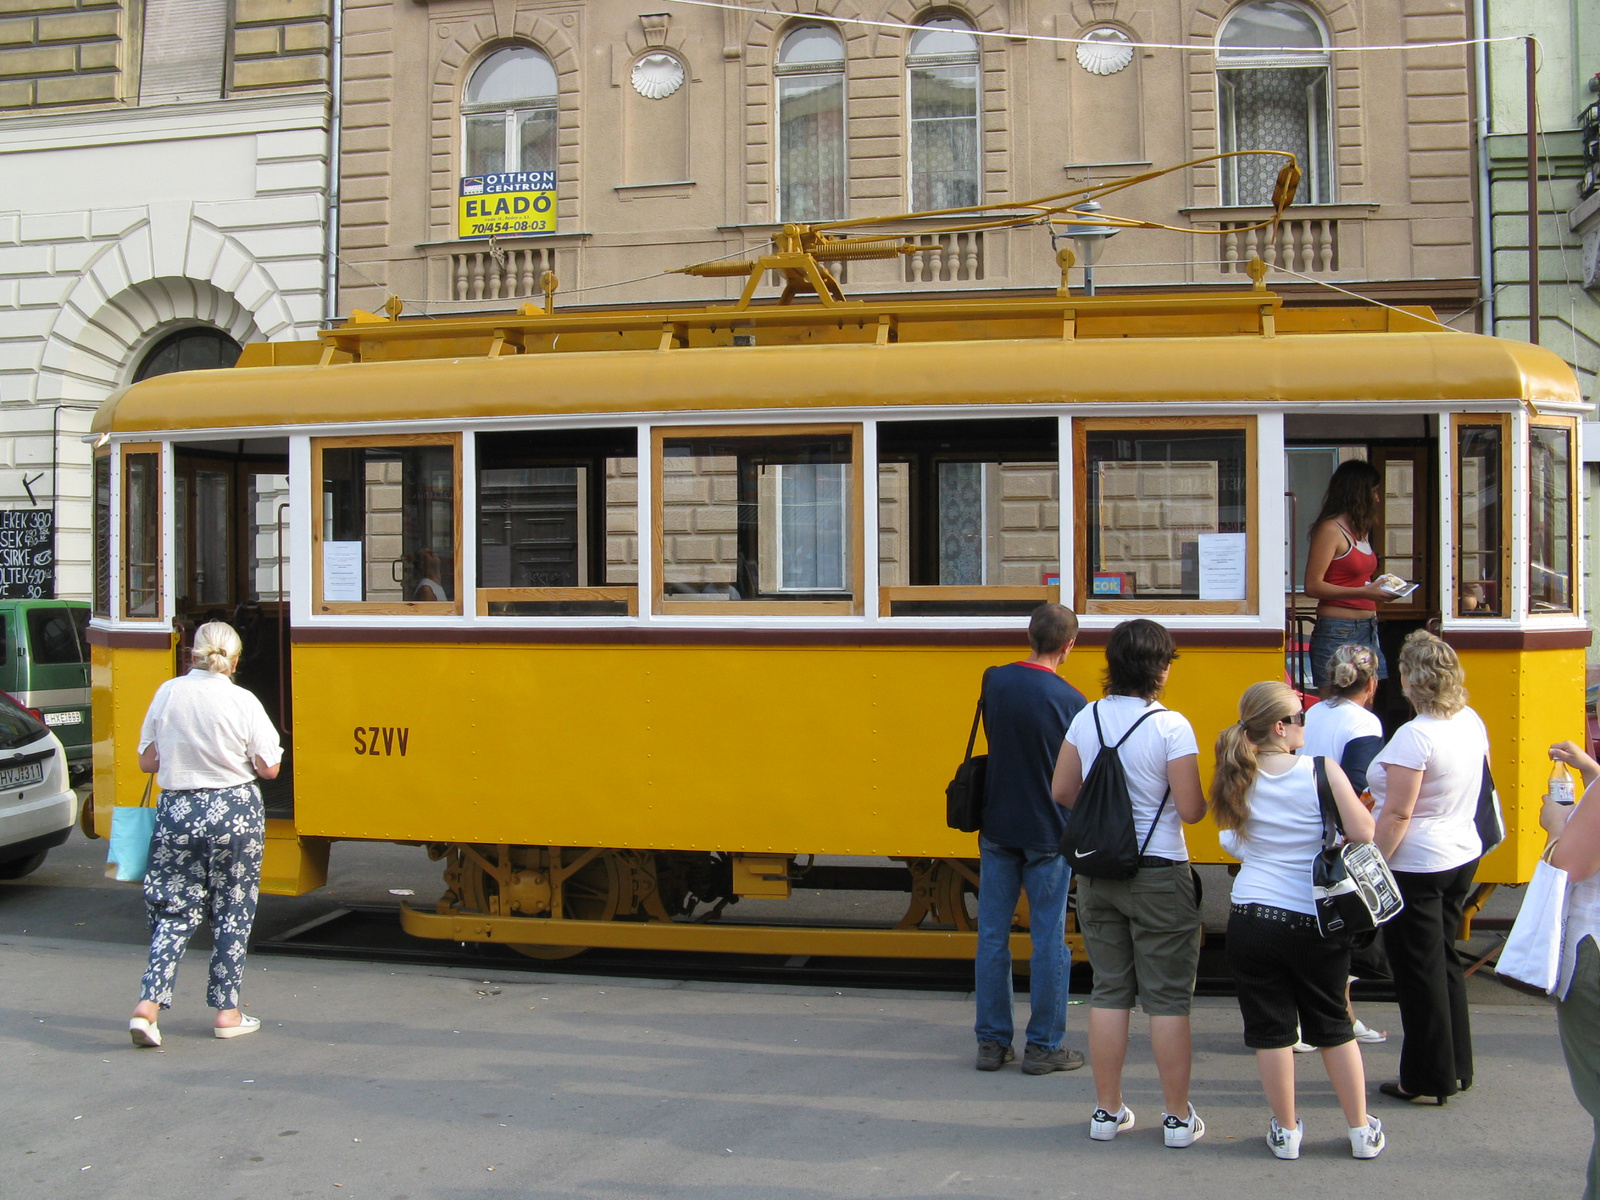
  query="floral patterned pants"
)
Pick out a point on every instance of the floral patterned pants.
point(205, 861)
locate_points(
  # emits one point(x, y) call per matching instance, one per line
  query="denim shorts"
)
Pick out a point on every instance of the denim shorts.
point(1332, 632)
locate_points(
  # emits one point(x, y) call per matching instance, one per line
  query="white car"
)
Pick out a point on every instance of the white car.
point(37, 807)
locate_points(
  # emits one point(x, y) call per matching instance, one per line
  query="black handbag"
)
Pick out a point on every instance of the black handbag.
point(1351, 884)
point(963, 796)
point(1490, 821)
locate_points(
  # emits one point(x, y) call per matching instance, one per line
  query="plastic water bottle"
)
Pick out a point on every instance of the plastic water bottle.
point(1561, 789)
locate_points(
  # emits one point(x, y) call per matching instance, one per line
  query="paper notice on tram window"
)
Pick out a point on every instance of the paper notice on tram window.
point(1223, 566)
point(341, 571)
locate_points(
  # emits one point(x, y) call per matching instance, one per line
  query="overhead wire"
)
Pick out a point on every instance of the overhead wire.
point(1011, 36)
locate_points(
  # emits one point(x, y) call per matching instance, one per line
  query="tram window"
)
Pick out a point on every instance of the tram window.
point(1154, 497)
point(1550, 518)
point(769, 520)
point(1481, 542)
point(968, 517)
point(200, 525)
point(558, 523)
point(267, 496)
point(141, 532)
point(387, 538)
point(102, 534)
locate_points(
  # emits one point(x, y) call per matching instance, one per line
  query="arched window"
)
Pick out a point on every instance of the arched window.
point(811, 143)
point(508, 114)
point(1272, 84)
point(197, 348)
point(942, 66)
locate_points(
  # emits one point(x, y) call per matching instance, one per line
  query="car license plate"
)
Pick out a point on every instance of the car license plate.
point(15, 777)
point(70, 717)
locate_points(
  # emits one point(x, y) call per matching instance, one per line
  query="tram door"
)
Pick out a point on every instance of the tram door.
point(1405, 541)
point(231, 545)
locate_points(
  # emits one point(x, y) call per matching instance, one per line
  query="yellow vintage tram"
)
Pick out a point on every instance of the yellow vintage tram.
point(623, 615)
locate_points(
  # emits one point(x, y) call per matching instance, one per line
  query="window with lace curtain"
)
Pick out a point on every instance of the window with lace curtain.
point(942, 76)
point(811, 145)
point(1272, 93)
point(508, 114)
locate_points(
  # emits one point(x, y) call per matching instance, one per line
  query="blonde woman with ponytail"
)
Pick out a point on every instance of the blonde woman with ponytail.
point(207, 740)
point(1291, 980)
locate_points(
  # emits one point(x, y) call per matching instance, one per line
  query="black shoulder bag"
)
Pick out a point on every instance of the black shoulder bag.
point(1351, 884)
point(963, 796)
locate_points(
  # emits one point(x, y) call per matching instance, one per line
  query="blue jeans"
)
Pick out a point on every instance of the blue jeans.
point(1005, 872)
point(1330, 633)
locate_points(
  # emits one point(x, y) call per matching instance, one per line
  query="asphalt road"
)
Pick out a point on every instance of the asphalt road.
point(402, 1083)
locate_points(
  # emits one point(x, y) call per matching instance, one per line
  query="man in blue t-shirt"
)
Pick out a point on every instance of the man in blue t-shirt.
point(1026, 710)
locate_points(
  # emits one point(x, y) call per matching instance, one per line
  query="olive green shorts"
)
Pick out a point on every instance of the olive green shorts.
point(1143, 938)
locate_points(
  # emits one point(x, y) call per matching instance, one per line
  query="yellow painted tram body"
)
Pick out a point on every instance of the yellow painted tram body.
point(587, 756)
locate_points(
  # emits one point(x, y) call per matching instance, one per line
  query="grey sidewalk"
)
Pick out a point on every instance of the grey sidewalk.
point(411, 1082)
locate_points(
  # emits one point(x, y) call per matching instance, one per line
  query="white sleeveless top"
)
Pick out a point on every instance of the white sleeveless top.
point(1279, 840)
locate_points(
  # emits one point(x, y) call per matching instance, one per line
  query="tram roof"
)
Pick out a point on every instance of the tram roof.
point(1240, 348)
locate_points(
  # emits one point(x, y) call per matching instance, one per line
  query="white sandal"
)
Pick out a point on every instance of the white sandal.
point(144, 1033)
point(1369, 1036)
point(247, 1024)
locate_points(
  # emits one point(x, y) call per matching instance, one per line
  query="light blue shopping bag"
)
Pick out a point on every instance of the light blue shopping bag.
point(132, 830)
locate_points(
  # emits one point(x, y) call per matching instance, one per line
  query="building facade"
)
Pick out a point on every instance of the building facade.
point(673, 138)
point(163, 200)
point(1567, 62)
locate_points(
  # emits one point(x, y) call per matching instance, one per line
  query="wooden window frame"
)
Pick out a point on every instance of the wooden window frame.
point(119, 518)
point(419, 608)
point(1135, 607)
point(1574, 500)
point(1503, 422)
point(660, 605)
point(626, 593)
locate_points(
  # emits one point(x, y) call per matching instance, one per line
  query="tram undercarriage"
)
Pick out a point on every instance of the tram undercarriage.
point(554, 902)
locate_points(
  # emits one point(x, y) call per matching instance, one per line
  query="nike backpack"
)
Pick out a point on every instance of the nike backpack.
point(1099, 840)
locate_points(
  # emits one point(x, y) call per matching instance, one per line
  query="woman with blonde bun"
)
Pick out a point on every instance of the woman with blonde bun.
point(1343, 727)
point(207, 740)
point(1290, 979)
point(1426, 783)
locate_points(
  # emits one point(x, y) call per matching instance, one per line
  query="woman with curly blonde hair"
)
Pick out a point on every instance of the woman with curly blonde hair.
point(1290, 979)
point(1425, 783)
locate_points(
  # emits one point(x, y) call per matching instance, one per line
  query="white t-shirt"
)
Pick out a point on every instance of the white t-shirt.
point(1334, 724)
point(1279, 840)
point(1145, 755)
point(1449, 751)
point(206, 731)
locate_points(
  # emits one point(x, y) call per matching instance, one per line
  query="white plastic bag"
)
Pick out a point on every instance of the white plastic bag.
point(1533, 950)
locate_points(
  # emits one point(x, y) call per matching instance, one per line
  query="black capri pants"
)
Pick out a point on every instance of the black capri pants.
point(1290, 979)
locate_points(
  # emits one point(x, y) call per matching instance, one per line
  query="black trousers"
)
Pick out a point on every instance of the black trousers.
point(1436, 1055)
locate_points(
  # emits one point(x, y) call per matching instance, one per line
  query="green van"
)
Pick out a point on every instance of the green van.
point(44, 665)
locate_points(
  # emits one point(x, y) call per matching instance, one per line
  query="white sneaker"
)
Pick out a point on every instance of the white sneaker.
point(1368, 1141)
point(1104, 1126)
point(1181, 1133)
point(1370, 1037)
point(1285, 1143)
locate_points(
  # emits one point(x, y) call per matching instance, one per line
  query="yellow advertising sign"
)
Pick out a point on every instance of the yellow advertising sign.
point(506, 205)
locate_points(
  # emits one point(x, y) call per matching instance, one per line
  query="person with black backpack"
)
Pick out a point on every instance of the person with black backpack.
point(1130, 772)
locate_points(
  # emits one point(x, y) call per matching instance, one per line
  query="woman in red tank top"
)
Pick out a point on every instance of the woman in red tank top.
point(1341, 564)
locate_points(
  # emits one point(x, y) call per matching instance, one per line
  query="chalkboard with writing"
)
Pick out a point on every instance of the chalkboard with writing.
point(27, 554)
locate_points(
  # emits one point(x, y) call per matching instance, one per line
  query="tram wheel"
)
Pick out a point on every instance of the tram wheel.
point(594, 892)
point(952, 890)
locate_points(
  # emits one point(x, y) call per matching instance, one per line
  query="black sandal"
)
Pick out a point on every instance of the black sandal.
point(1394, 1089)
